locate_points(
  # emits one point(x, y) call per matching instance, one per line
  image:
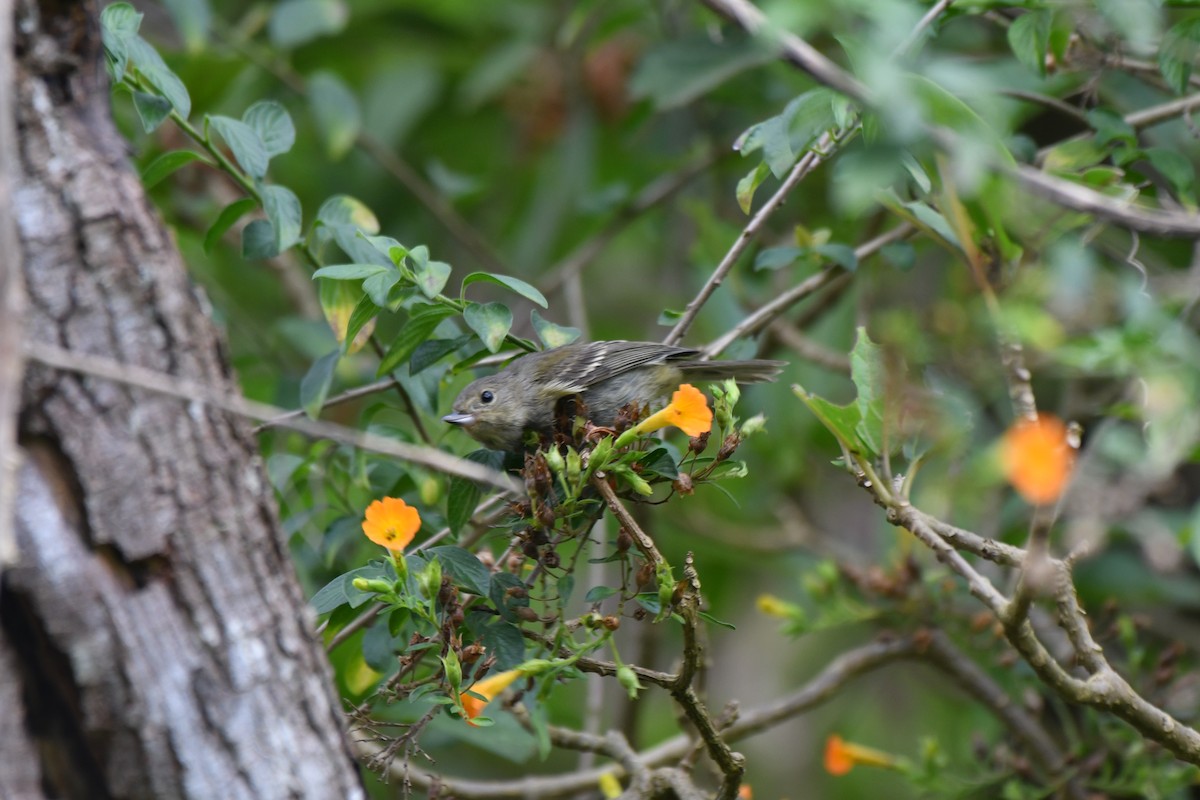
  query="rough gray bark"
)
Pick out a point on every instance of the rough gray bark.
point(154, 641)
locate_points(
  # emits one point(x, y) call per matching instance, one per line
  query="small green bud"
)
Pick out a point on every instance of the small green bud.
point(574, 465)
point(452, 669)
point(374, 585)
point(628, 679)
point(430, 579)
point(754, 425)
point(536, 666)
point(600, 453)
point(635, 481)
point(555, 460)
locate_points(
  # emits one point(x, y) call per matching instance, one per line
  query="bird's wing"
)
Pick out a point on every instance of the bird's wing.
point(596, 362)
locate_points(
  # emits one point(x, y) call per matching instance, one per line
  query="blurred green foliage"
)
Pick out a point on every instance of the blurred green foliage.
point(477, 162)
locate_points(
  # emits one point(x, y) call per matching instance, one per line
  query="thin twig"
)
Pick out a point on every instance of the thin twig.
point(764, 315)
point(914, 35)
point(194, 392)
point(345, 397)
point(805, 165)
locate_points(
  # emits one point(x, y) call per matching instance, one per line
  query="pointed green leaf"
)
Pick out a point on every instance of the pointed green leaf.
point(552, 335)
point(258, 240)
point(869, 374)
point(464, 568)
point(151, 110)
point(273, 124)
point(432, 277)
point(283, 209)
point(244, 142)
point(418, 328)
point(491, 321)
point(167, 163)
point(1029, 38)
point(350, 272)
point(225, 220)
point(748, 185)
point(156, 72)
point(517, 285)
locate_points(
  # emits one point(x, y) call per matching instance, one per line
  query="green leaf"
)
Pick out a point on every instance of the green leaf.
point(225, 220)
point(244, 141)
point(841, 421)
point(363, 313)
point(659, 462)
point(314, 387)
point(599, 593)
point(778, 257)
point(156, 72)
point(329, 596)
point(551, 334)
point(379, 287)
point(258, 240)
point(283, 209)
point(350, 272)
point(119, 24)
point(273, 124)
point(506, 643)
point(491, 321)
point(1029, 38)
point(461, 500)
point(1175, 167)
point(151, 110)
point(430, 352)
point(704, 615)
point(417, 329)
point(120, 19)
point(432, 277)
point(748, 185)
point(294, 22)
point(464, 568)
point(463, 496)
point(336, 111)
point(1073, 156)
point(841, 254)
point(342, 209)
point(517, 285)
point(503, 599)
point(1178, 53)
point(678, 72)
point(167, 163)
point(869, 375)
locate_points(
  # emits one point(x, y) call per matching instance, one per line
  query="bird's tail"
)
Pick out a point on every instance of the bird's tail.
point(750, 371)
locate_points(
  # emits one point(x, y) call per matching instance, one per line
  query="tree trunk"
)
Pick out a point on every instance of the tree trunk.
point(154, 641)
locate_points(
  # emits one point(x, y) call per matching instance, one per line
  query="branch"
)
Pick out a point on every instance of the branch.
point(805, 165)
point(1103, 687)
point(194, 392)
point(767, 313)
point(1057, 190)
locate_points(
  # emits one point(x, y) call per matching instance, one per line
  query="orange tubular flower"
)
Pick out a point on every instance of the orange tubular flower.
point(1037, 458)
point(392, 523)
point(841, 756)
point(489, 687)
point(687, 411)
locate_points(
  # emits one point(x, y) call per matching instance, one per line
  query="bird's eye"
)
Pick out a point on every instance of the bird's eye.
point(487, 397)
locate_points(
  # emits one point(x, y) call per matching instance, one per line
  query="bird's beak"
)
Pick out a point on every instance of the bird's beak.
point(466, 420)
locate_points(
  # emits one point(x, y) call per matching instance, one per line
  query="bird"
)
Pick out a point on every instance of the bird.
point(500, 410)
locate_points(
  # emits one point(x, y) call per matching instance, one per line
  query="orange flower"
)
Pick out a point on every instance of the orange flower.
point(488, 688)
point(687, 411)
point(1037, 458)
point(745, 792)
point(841, 756)
point(391, 522)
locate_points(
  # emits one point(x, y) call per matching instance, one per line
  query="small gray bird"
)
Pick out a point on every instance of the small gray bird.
point(500, 409)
